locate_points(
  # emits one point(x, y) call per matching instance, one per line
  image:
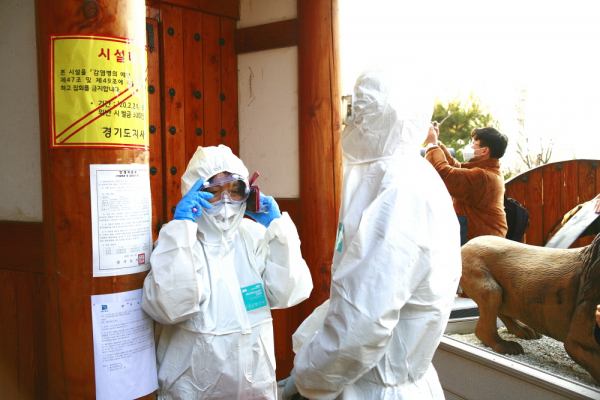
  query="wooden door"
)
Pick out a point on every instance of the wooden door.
point(193, 71)
point(192, 92)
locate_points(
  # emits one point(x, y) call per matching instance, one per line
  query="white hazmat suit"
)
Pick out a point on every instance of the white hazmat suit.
point(213, 291)
point(396, 263)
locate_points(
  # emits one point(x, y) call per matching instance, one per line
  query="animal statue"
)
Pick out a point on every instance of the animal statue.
point(535, 291)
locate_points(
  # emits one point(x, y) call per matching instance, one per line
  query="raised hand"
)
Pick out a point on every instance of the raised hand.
point(190, 206)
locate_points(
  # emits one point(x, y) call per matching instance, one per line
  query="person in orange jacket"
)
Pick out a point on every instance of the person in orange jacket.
point(476, 186)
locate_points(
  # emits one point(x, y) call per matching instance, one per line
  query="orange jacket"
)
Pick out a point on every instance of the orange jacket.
point(477, 190)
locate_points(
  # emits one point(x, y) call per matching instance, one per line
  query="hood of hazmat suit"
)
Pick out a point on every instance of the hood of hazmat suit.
point(213, 290)
point(396, 263)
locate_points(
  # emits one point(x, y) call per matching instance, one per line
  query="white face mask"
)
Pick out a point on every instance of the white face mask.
point(224, 214)
point(469, 153)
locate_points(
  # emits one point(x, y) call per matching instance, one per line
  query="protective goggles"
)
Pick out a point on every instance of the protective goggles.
point(230, 188)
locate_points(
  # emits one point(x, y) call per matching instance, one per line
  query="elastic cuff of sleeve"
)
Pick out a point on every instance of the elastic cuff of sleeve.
point(280, 228)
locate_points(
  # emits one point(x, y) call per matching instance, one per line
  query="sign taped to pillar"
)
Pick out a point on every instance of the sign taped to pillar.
point(98, 92)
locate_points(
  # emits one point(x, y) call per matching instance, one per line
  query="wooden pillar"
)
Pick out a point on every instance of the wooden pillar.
point(66, 201)
point(319, 102)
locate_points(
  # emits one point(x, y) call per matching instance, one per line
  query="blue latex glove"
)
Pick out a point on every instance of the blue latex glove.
point(272, 213)
point(289, 387)
point(190, 207)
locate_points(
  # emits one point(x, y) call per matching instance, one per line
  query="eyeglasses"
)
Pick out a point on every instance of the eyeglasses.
point(472, 143)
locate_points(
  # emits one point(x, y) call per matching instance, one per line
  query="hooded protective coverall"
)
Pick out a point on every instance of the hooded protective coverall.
point(396, 263)
point(217, 343)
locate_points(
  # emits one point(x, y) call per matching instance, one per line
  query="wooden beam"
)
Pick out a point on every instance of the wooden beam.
point(223, 8)
point(21, 246)
point(319, 104)
point(67, 230)
point(266, 37)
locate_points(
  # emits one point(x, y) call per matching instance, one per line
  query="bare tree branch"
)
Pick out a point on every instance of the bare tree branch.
point(540, 156)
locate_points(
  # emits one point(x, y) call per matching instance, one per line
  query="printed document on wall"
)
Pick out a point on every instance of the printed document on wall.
point(124, 355)
point(121, 218)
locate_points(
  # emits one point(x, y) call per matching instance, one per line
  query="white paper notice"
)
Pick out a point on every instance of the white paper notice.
point(121, 218)
point(124, 354)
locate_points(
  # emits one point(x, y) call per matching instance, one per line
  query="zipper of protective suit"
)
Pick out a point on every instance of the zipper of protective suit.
point(245, 341)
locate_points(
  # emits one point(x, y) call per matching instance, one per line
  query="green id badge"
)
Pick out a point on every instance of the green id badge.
point(254, 297)
point(339, 240)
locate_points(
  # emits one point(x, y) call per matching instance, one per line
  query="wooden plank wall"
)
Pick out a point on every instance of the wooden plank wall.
point(550, 191)
point(587, 182)
point(22, 295)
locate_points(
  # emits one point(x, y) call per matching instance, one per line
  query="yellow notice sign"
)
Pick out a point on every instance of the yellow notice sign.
point(99, 96)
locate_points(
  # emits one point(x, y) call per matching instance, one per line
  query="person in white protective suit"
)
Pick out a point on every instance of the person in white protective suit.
point(396, 263)
point(215, 276)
